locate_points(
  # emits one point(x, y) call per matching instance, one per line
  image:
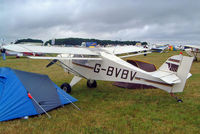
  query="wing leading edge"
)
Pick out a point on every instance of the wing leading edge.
point(49, 49)
point(63, 58)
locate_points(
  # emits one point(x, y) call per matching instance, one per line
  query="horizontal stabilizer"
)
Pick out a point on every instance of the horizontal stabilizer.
point(167, 77)
point(171, 79)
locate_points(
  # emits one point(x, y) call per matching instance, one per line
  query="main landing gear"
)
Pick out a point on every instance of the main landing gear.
point(66, 87)
point(91, 83)
point(177, 99)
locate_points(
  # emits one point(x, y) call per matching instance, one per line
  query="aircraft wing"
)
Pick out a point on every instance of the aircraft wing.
point(49, 49)
point(63, 58)
point(75, 50)
point(124, 49)
point(193, 46)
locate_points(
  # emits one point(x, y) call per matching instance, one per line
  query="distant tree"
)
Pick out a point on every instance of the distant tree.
point(144, 43)
point(28, 40)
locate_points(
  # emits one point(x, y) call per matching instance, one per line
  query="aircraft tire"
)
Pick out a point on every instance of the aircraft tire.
point(91, 83)
point(179, 101)
point(66, 87)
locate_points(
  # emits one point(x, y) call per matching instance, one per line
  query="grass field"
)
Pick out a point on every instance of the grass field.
point(109, 109)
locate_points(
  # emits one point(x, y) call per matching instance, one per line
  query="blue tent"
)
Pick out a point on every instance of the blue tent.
point(25, 94)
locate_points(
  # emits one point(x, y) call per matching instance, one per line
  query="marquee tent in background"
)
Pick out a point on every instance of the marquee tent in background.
point(25, 94)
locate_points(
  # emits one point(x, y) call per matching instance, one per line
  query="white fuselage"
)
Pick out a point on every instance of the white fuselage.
point(112, 68)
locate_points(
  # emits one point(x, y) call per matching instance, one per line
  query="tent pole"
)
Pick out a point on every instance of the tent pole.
point(69, 100)
point(41, 107)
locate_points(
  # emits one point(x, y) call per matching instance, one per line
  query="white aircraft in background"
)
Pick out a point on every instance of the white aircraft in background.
point(20, 54)
point(106, 64)
point(159, 49)
point(193, 51)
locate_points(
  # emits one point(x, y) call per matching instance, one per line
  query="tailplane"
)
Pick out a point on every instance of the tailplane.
point(175, 71)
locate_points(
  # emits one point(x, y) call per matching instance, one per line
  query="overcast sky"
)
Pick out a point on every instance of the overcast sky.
point(142, 20)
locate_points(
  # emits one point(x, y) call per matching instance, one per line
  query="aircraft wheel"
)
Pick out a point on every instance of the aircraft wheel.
point(145, 54)
point(179, 100)
point(91, 83)
point(66, 87)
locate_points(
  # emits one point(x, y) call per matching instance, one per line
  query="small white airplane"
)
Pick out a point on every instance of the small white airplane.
point(158, 48)
point(20, 54)
point(193, 50)
point(105, 63)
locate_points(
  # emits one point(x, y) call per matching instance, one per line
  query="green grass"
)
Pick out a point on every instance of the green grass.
point(109, 109)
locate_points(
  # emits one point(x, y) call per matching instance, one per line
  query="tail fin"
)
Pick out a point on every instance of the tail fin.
point(178, 66)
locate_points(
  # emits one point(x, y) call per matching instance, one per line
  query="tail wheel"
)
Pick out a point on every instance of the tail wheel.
point(91, 83)
point(179, 100)
point(66, 87)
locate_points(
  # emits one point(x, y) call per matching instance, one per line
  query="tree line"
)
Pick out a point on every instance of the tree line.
point(78, 41)
point(28, 40)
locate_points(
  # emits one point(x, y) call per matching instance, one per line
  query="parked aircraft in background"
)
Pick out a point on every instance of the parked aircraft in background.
point(19, 54)
point(107, 64)
point(158, 48)
point(193, 50)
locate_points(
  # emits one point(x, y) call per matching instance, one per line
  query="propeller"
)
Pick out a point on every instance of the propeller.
point(51, 63)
